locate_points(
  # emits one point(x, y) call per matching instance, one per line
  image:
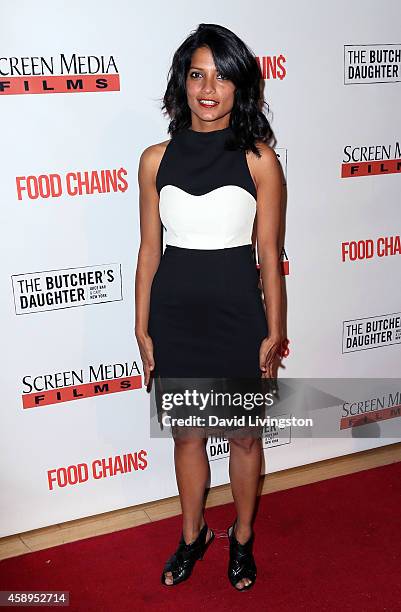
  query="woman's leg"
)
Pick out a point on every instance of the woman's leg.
point(192, 473)
point(244, 469)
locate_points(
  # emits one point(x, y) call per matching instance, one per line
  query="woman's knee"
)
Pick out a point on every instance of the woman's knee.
point(246, 443)
point(189, 441)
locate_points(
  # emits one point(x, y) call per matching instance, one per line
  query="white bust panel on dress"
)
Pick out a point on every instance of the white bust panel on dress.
point(218, 219)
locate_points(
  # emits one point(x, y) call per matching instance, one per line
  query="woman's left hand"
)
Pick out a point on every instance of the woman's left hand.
point(269, 355)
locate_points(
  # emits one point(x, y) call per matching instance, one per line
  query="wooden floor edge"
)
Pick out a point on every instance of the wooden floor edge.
point(47, 537)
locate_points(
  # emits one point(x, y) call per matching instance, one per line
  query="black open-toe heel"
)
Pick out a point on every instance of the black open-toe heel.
point(181, 563)
point(241, 564)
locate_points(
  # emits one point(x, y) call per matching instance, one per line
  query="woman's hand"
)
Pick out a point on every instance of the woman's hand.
point(146, 350)
point(269, 355)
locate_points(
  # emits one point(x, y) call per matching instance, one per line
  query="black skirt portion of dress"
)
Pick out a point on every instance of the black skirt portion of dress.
point(207, 322)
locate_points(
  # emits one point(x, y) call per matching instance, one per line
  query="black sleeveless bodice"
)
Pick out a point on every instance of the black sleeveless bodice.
point(207, 194)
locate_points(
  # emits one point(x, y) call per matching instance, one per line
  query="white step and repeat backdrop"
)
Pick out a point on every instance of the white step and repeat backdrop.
point(80, 86)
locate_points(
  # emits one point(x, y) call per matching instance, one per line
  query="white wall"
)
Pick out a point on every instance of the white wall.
point(316, 113)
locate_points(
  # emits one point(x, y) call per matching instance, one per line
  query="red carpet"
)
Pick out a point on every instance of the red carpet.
point(333, 545)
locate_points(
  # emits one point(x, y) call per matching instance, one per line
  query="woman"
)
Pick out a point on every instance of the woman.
point(199, 310)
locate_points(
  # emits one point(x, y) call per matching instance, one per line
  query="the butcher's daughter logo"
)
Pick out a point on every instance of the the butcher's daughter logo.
point(71, 287)
point(372, 63)
point(58, 74)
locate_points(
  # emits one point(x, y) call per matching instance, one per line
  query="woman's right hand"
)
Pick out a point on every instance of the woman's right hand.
point(146, 350)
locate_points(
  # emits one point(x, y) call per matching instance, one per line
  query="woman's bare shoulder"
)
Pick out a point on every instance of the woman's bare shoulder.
point(267, 153)
point(153, 153)
point(261, 167)
point(265, 165)
point(149, 161)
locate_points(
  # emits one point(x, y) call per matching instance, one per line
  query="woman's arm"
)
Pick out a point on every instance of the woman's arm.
point(149, 250)
point(267, 174)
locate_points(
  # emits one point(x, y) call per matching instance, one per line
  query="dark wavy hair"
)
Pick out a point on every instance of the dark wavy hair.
point(236, 62)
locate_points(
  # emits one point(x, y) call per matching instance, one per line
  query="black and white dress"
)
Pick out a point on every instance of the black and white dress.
point(206, 317)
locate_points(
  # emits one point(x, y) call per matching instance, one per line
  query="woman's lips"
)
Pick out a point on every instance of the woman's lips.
point(203, 102)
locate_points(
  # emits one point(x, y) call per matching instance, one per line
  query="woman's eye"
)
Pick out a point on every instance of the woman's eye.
point(195, 74)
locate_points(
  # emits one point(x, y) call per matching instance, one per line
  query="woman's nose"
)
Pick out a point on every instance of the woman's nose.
point(208, 86)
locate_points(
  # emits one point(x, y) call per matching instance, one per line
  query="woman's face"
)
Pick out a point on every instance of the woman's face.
point(210, 96)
